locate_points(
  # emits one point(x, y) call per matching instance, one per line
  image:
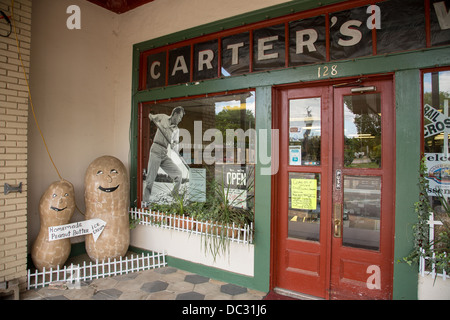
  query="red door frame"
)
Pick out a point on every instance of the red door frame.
point(276, 118)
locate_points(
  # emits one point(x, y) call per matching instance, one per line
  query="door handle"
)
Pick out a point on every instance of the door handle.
point(337, 220)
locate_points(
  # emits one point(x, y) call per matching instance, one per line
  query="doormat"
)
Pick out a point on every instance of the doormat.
point(272, 295)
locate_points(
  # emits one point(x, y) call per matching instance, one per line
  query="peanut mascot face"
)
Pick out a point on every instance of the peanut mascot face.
point(57, 204)
point(106, 182)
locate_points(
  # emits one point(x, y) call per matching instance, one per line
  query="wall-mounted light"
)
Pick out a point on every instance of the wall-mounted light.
point(364, 89)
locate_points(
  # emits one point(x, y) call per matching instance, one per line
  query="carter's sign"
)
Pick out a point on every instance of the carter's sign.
point(384, 27)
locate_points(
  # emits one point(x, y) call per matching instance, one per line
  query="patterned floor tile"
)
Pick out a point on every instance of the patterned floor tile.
point(190, 296)
point(154, 286)
point(195, 279)
point(232, 289)
point(107, 294)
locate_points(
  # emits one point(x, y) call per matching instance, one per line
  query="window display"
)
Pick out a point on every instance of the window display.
point(199, 155)
point(436, 129)
point(433, 203)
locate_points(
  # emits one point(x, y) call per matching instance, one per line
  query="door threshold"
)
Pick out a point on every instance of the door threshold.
point(296, 295)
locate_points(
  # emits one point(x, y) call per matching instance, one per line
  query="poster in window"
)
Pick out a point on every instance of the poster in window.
point(349, 35)
point(438, 174)
point(402, 26)
point(197, 185)
point(307, 41)
point(235, 184)
point(167, 173)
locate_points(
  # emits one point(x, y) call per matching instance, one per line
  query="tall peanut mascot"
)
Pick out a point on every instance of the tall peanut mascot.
point(56, 208)
point(107, 198)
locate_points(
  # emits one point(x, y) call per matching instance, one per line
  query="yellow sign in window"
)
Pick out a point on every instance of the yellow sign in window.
point(304, 194)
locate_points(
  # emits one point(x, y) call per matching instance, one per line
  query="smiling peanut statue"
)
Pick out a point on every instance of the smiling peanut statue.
point(107, 198)
point(56, 208)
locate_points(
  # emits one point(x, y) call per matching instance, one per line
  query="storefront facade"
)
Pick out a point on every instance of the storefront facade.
point(328, 100)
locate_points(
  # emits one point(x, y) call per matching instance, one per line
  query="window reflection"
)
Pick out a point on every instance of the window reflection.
point(214, 151)
point(304, 132)
point(362, 131)
point(362, 208)
point(436, 100)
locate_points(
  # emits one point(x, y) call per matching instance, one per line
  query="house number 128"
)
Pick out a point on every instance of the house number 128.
point(326, 71)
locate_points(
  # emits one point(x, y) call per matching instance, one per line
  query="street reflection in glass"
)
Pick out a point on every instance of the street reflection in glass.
point(362, 207)
point(362, 131)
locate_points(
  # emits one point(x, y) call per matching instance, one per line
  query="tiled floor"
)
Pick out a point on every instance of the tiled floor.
point(165, 283)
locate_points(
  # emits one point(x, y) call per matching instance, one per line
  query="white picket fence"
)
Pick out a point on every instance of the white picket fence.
point(422, 262)
point(235, 233)
point(100, 269)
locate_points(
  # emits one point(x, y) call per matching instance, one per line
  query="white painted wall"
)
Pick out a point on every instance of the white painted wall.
point(73, 84)
point(81, 83)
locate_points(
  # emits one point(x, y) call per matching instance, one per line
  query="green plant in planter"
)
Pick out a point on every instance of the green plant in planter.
point(221, 209)
point(134, 222)
point(218, 210)
point(422, 246)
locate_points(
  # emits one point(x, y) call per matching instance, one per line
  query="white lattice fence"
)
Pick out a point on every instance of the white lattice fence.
point(422, 263)
point(99, 269)
point(235, 233)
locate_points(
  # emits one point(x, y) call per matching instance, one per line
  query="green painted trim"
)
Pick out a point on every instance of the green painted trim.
point(408, 130)
point(263, 193)
point(139, 250)
point(429, 58)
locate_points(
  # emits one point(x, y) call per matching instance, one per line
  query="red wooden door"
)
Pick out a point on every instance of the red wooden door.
point(333, 218)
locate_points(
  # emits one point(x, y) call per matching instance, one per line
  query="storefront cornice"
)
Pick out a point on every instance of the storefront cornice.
point(427, 58)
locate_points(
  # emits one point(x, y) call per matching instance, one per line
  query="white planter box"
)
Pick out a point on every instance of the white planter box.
point(189, 245)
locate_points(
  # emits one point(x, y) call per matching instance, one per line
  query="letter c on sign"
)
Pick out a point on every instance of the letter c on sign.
point(152, 70)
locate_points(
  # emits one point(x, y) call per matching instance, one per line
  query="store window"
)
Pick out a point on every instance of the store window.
point(199, 154)
point(436, 122)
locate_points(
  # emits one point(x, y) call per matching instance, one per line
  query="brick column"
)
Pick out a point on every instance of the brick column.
point(13, 143)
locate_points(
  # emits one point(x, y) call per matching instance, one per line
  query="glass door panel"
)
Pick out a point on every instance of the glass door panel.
point(362, 131)
point(304, 132)
point(362, 208)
